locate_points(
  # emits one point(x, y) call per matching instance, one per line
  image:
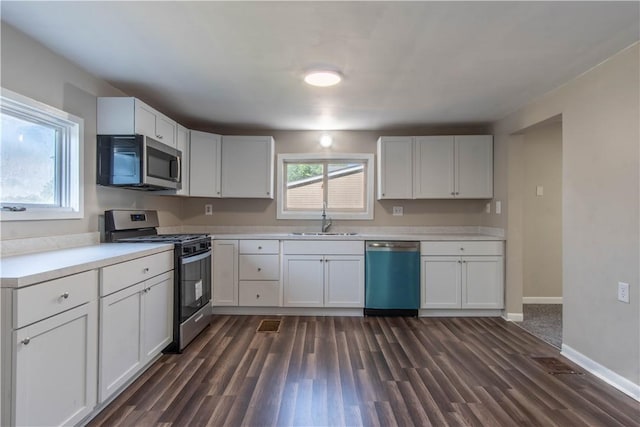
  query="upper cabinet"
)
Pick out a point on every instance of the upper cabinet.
point(435, 167)
point(128, 116)
point(183, 143)
point(204, 164)
point(247, 166)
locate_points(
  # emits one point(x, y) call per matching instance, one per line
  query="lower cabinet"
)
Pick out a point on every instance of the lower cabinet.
point(454, 281)
point(225, 273)
point(50, 361)
point(324, 279)
point(136, 326)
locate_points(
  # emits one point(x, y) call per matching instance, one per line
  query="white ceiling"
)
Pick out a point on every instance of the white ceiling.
point(240, 64)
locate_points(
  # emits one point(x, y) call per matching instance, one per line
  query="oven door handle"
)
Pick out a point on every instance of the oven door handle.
point(194, 258)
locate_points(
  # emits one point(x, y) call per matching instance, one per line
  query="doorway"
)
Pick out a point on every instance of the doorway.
point(541, 199)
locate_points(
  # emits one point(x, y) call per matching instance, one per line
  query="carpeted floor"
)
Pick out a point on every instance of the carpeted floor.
point(544, 321)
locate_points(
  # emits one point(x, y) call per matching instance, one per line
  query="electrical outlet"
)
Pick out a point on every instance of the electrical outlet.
point(539, 190)
point(487, 208)
point(623, 292)
point(398, 211)
point(498, 207)
point(208, 209)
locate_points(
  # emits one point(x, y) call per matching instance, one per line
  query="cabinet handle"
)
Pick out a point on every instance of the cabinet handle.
point(145, 270)
point(452, 193)
point(65, 295)
point(159, 136)
point(26, 341)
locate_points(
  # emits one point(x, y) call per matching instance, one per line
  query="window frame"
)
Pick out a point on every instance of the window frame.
point(69, 197)
point(366, 158)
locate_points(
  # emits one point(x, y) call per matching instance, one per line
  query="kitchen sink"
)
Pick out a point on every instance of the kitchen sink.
point(323, 234)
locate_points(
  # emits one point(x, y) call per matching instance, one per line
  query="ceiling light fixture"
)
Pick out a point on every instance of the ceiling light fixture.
point(322, 78)
point(326, 140)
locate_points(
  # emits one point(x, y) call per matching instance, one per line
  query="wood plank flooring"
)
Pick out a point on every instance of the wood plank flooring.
point(372, 371)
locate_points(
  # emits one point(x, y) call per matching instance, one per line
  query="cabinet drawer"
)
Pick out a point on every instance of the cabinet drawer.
point(45, 299)
point(317, 247)
point(259, 246)
point(259, 267)
point(260, 293)
point(119, 276)
point(461, 248)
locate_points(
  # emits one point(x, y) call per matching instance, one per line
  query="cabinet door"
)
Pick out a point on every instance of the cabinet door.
point(145, 120)
point(247, 166)
point(440, 282)
point(55, 368)
point(225, 273)
point(121, 355)
point(474, 167)
point(395, 167)
point(204, 164)
point(183, 144)
point(157, 323)
point(434, 167)
point(303, 281)
point(165, 130)
point(482, 282)
point(344, 281)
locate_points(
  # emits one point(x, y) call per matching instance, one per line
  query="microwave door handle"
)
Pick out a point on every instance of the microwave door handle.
point(179, 175)
point(177, 168)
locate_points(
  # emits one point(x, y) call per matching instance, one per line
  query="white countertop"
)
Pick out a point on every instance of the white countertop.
point(24, 270)
point(360, 236)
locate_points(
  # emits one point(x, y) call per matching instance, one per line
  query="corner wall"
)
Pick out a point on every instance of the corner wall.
point(601, 208)
point(30, 69)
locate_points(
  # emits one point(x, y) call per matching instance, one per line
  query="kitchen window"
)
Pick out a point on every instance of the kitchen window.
point(341, 182)
point(40, 160)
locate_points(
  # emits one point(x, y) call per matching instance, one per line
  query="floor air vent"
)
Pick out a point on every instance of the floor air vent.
point(269, 325)
point(555, 366)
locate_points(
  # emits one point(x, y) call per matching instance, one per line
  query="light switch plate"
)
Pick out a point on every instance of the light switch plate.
point(398, 211)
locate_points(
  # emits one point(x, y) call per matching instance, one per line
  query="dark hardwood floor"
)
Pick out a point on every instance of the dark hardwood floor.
point(333, 371)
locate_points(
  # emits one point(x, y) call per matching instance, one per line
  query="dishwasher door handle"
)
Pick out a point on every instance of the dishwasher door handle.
point(393, 246)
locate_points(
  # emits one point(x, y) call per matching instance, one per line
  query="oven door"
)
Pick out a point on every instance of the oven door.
point(195, 283)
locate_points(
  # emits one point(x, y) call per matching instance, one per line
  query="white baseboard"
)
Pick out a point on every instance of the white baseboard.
point(542, 300)
point(605, 374)
point(513, 317)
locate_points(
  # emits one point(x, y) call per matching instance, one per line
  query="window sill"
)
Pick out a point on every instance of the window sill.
point(41, 215)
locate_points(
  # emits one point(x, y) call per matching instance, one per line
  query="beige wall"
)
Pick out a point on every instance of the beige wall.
point(263, 212)
point(600, 207)
point(542, 221)
point(30, 69)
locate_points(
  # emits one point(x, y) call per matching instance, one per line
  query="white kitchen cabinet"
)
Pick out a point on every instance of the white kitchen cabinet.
point(441, 167)
point(225, 273)
point(128, 116)
point(259, 273)
point(145, 312)
point(205, 159)
point(50, 364)
point(303, 281)
point(247, 166)
point(323, 274)
point(462, 275)
point(395, 167)
point(344, 281)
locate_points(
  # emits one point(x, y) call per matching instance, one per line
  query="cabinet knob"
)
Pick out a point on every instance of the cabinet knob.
point(65, 295)
point(259, 247)
point(26, 341)
point(257, 296)
point(383, 194)
point(145, 270)
point(267, 193)
point(459, 262)
point(452, 193)
point(464, 262)
point(457, 193)
point(217, 192)
point(462, 249)
point(259, 269)
point(326, 260)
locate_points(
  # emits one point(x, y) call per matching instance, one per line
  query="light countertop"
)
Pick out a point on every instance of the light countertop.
point(24, 270)
point(360, 236)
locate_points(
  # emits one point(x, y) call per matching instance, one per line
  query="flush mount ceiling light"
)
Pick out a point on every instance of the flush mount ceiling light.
point(322, 78)
point(326, 140)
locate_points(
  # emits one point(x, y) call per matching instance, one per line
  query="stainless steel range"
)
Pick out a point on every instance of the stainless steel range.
point(192, 277)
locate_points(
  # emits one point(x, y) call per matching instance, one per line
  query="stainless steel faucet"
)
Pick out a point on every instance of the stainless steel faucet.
point(326, 222)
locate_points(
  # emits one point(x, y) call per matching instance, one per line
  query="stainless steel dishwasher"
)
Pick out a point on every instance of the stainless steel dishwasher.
point(392, 278)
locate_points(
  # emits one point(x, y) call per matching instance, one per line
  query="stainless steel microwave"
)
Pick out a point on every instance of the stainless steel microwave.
point(138, 162)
